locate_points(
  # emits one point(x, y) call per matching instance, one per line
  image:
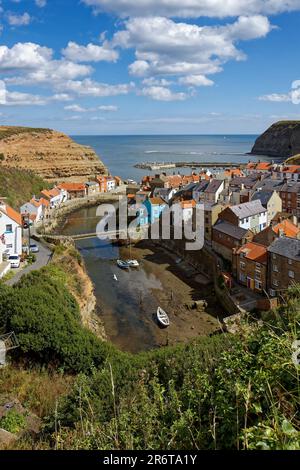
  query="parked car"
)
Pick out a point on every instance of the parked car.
point(14, 261)
point(34, 248)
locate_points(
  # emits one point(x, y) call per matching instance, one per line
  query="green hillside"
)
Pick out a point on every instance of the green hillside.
point(18, 186)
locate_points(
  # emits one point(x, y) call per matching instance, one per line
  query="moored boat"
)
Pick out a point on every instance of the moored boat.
point(123, 264)
point(133, 263)
point(162, 317)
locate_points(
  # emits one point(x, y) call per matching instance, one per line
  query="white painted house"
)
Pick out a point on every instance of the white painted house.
point(249, 216)
point(10, 230)
point(34, 209)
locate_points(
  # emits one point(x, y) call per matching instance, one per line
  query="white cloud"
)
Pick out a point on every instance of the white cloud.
point(108, 108)
point(89, 53)
point(89, 87)
point(18, 20)
point(193, 8)
point(30, 63)
point(276, 98)
point(80, 109)
point(160, 93)
point(195, 80)
point(75, 108)
point(164, 47)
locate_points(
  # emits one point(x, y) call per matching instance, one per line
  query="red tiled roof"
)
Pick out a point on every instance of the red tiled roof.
point(289, 229)
point(69, 187)
point(12, 214)
point(254, 252)
point(50, 193)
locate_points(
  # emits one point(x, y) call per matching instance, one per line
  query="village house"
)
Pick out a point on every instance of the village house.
point(142, 196)
point(34, 209)
point(74, 190)
point(106, 183)
point(249, 216)
point(187, 208)
point(154, 206)
point(213, 191)
point(285, 228)
point(164, 193)
point(92, 188)
point(138, 212)
point(289, 172)
point(250, 266)
point(284, 264)
point(258, 167)
point(211, 213)
point(290, 195)
point(55, 196)
point(270, 201)
point(226, 237)
point(199, 189)
point(10, 231)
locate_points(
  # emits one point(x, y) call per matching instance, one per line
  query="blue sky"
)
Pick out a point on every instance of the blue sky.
point(149, 66)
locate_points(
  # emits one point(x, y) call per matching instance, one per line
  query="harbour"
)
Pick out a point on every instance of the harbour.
point(127, 300)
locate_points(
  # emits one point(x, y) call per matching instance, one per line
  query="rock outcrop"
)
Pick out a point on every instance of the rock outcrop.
point(50, 154)
point(281, 140)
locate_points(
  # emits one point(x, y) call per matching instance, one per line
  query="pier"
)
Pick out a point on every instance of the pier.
point(165, 166)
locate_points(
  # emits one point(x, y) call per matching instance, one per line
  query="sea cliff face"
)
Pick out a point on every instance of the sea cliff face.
point(50, 154)
point(281, 140)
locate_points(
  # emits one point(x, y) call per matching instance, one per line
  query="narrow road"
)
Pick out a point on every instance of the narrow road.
point(42, 259)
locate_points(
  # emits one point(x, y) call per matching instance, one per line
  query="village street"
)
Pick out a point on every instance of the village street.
point(42, 259)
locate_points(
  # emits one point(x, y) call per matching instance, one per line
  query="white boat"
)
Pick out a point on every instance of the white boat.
point(115, 277)
point(162, 317)
point(133, 263)
point(123, 264)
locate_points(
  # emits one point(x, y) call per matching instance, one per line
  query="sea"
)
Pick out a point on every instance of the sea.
point(121, 153)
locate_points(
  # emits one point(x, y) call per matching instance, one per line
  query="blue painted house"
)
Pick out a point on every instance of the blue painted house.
point(154, 206)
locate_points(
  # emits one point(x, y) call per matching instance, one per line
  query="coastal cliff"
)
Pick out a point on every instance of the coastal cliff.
point(52, 155)
point(281, 140)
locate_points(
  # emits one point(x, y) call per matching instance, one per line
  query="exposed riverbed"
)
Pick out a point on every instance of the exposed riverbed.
point(127, 305)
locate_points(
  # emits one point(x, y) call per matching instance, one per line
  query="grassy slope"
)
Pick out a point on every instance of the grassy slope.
point(6, 132)
point(18, 186)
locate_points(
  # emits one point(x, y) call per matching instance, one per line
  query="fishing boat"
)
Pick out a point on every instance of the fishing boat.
point(123, 264)
point(133, 263)
point(162, 317)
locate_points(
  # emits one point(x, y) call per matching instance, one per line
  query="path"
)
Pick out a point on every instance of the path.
point(42, 259)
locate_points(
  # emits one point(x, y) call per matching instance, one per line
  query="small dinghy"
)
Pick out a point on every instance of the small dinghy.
point(123, 264)
point(133, 263)
point(162, 317)
point(115, 277)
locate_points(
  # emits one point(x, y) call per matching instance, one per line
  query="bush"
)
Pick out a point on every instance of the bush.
point(46, 320)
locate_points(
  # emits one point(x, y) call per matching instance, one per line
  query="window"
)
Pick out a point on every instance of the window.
point(242, 265)
point(291, 274)
point(258, 285)
point(274, 256)
point(272, 292)
point(257, 267)
point(290, 261)
point(275, 283)
point(275, 268)
point(8, 228)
